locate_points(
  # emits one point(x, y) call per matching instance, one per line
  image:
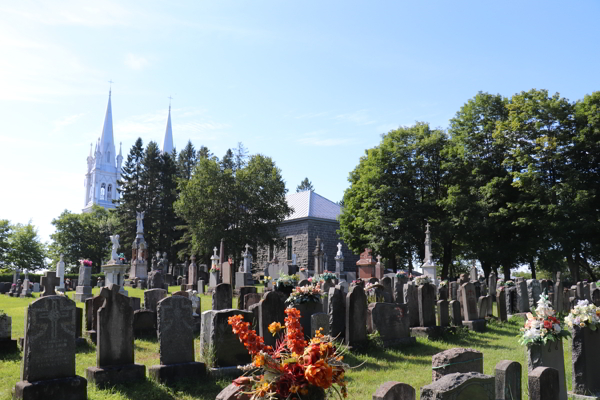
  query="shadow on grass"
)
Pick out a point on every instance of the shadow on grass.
point(85, 348)
point(150, 390)
point(14, 355)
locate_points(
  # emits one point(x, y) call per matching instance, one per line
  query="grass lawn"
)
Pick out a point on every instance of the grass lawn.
point(410, 365)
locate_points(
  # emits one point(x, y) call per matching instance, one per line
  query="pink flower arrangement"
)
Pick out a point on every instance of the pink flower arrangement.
point(86, 262)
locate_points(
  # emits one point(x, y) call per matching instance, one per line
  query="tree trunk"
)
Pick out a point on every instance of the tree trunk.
point(446, 259)
point(583, 261)
point(393, 263)
point(487, 268)
point(506, 269)
point(532, 266)
point(573, 268)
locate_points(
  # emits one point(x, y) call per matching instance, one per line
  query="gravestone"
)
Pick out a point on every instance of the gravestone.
point(585, 353)
point(243, 291)
point(391, 321)
point(337, 312)
point(318, 321)
point(544, 384)
point(473, 274)
point(217, 335)
point(227, 273)
point(558, 297)
point(325, 286)
point(411, 299)
point(83, 290)
point(251, 299)
point(482, 305)
point(522, 297)
point(201, 286)
point(460, 386)
point(534, 290)
point(181, 293)
point(394, 391)
point(152, 297)
point(115, 349)
point(7, 344)
point(456, 360)
point(213, 279)
point(176, 342)
point(356, 317)
point(456, 314)
point(548, 355)
point(48, 282)
point(388, 292)
point(91, 315)
point(144, 323)
point(426, 300)
point(307, 309)
point(442, 313)
point(222, 297)
point(490, 305)
point(596, 297)
point(508, 380)
point(454, 290)
point(304, 282)
point(492, 283)
point(469, 302)
point(243, 279)
point(270, 309)
point(399, 290)
point(511, 300)
point(48, 367)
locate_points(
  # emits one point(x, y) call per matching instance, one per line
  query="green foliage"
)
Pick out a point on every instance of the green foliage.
point(82, 236)
point(5, 231)
point(238, 201)
point(25, 250)
point(304, 186)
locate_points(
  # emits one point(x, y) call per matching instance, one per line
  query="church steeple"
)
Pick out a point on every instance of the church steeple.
point(168, 140)
point(106, 146)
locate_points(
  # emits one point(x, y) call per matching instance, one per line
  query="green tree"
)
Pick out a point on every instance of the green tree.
point(186, 161)
point(26, 251)
point(5, 231)
point(83, 236)
point(304, 185)
point(240, 205)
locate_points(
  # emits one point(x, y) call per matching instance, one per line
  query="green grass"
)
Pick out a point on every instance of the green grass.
point(410, 365)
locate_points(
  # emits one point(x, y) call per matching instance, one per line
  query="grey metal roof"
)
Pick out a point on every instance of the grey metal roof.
point(309, 204)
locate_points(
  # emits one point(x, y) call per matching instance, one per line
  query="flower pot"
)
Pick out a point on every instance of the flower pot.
point(548, 355)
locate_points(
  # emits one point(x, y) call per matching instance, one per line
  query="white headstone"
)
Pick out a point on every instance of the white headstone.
point(60, 273)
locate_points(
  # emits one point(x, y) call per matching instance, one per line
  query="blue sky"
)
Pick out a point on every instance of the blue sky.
point(311, 84)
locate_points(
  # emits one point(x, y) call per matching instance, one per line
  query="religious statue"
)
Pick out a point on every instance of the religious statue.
point(115, 246)
point(140, 222)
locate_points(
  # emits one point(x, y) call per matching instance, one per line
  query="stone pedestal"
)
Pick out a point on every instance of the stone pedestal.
point(243, 279)
point(26, 292)
point(82, 293)
point(139, 269)
point(430, 271)
point(477, 325)
point(115, 275)
point(366, 271)
point(548, 355)
point(104, 377)
point(169, 374)
point(73, 388)
point(213, 279)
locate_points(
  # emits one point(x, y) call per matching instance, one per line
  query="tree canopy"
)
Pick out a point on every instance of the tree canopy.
point(304, 185)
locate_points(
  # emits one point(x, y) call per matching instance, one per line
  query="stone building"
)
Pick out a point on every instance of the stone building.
point(313, 216)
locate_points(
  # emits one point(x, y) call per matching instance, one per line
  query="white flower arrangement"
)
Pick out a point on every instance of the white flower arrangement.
point(541, 325)
point(421, 280)
point(584, 314)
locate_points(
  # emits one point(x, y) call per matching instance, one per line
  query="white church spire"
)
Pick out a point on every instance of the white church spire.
point(107, 144)
point(168, 140)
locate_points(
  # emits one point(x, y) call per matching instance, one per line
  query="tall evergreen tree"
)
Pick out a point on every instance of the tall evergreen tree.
point(186, 161)
point(304, 185)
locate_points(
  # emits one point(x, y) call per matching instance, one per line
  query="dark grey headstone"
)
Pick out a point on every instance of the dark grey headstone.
point(270, 309)
point(456, 360)
point(49, 281)
point(426, 298)
point(469, 302)
point(243, 291)
point(175, 330)
point(511, 300)
point(251, 299)
point(317, 321)
point(548, 355)
point(394, 391)
point(501, 305)
point(460, 386)
point(356, 317)
point(482, 305)
point(508, 380)
point(390, 320)
point(115, 329)
point(454, 290)
point(455, 308)
point(144, 323)
point(388, 292)
point(50, 333)
point(218, 336)
point(544, 384)
point(399, 290)
point(558, 297)
point(306, 311)
point(337, 312)
point(522, 297)
point(411, 299)
point(152, 297)
point(534, 290)
point(585, 354)
point(222, 298)
point(442, 313)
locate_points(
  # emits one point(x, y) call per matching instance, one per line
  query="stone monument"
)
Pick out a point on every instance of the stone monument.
point(139, 258)
point(60, 274)
point(428, 266)
point(244, 277)
point(84, 289)
point(366, 265)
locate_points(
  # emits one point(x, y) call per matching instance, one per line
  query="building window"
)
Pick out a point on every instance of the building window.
point(289, 249)
point(103, 192)
point(109, 194)
point(271, 251)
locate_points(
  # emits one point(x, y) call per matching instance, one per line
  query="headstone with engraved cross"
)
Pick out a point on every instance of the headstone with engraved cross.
point(49, 282)
point(48, 368)
point(176, 342)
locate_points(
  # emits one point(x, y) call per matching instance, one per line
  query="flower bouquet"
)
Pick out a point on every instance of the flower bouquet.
point(286, 280)
point(584, 314)
point(86, 262)
point(304, 294)
point(541, 325)
point(401, 274)
point(296, 369)
point(444, 283)
point(327, 275)
point(421, 280)
point(509, 283)
point(214, 269)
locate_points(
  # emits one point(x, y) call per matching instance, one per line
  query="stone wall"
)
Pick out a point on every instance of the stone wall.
point(304, 233)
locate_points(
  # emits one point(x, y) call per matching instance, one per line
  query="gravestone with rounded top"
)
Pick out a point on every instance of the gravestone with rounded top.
point(391, 321)
point(394, 391)
point(216, 334)
point(508, 380)
point(222, 298)
point(356, 317)
point(544, 384)
point(115, 349)
point(243, 291)
point(337, 312)
point(176, 342)
point(152, 297)
point(251, 299)
point(426, 298)
point(270, 309)
point(48, 368)
point(548, 355)
point(461, 386)
point(456, 360)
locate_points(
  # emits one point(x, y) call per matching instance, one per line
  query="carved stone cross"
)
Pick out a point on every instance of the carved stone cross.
point(48, 282)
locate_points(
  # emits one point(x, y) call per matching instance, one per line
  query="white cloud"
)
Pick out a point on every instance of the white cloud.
point(61, 123)
point(135, 62)
point(360, 117)
point(319, 138)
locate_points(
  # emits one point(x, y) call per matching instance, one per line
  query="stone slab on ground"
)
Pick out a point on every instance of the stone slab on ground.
point(456, 360)
point(477, 325)
point(72, 388)
point(467, 386)
point(432, 332)
point(172, 373)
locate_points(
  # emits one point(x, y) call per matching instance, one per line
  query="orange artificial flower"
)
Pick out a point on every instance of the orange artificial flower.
point(275, 327)
point(319, 374)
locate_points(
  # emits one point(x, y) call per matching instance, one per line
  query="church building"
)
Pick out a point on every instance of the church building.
point(104, 165)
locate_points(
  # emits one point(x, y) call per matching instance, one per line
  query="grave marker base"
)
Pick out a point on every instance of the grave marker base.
point(169, 374)
point(8, 346)
point(432, 332)
point(477, 325)
point(573, 396)
point(104, 377)
point(225, 372)
point(74, 388)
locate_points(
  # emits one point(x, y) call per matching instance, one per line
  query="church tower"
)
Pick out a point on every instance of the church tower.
point(168, 140)
point(103, 167)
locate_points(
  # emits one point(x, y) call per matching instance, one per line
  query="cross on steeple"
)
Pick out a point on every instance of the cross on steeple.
point(170, 98)
point(48, 282)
